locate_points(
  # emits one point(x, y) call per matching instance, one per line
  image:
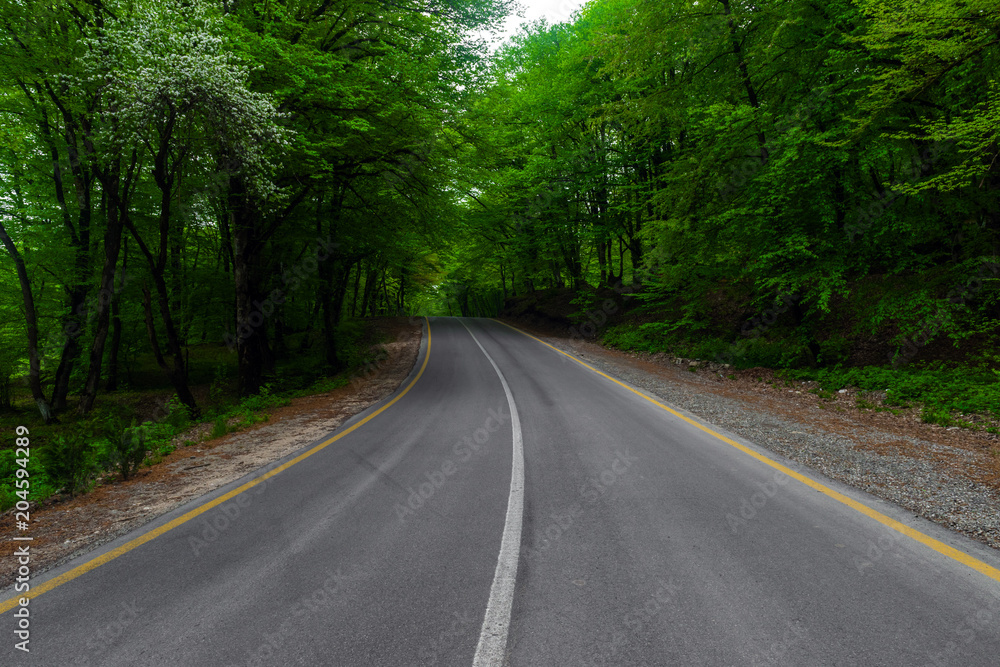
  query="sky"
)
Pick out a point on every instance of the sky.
point(554, 11)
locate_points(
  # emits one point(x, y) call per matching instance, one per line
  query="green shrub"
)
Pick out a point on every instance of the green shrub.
point(942, 391)
point(834, 350)
point(262, 401)
point(178, 415)
point(249, 418)
point(353, 346)
point(649, 337)
point(220, 428)
point(126, 453)
point(324, 385)
point(70, 461)
point(933, 416)
point(220, 382)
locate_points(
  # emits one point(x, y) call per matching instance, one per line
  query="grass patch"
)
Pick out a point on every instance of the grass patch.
point(654, 337)
point(942, 392)
point(219, 428)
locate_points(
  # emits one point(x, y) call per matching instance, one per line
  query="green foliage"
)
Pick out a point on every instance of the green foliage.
point(125, 453)
point(40, 486)
point(743, 353)
point(721, 147)
point(219, 428)
point(247, 418)
point(324, 385)
point(71, 462)
point(178, 417)
point(834, 350)
point(941, 390)
point(262, 401)
point(353, 344)
point(217, 390)
point(357, 159)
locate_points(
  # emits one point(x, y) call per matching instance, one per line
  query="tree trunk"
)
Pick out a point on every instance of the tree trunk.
point(369, 289)
point(116, 325)
point(357, 285)
point(112, 244)
point(401, 304)
point(31, 324)
point(116, 341)
point(602, 262)
point(163, 175)
point(745, 77)
point(177, 374)
point(253, 352)
point(75, 318)
point(333, 306)
point(72, 328)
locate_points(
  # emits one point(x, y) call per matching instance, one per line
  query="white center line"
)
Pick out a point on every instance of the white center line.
point(493, 635)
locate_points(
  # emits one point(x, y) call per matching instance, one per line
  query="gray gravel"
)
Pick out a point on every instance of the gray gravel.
point(934, 492)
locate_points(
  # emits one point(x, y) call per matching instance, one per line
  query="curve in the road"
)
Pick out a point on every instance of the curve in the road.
point(493, 636)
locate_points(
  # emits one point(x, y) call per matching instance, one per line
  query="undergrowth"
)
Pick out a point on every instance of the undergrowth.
point(110, 444)
point(945, 392)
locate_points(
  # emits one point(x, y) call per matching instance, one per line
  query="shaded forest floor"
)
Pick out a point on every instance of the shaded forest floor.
point(63, 528)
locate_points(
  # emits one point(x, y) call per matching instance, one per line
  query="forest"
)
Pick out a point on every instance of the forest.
point(195, 191)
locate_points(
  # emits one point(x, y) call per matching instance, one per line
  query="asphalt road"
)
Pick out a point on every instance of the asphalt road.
point(511, 506)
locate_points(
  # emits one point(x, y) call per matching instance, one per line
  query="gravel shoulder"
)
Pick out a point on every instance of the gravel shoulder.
point(64, 529)
point(948, 475)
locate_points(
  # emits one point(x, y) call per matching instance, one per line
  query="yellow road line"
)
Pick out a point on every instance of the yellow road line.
point(35, 591)
point(936, 545)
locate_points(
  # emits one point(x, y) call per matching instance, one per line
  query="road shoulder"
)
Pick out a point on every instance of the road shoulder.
point(949, 476)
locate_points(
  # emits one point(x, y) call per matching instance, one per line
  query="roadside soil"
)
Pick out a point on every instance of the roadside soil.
point(62, 529)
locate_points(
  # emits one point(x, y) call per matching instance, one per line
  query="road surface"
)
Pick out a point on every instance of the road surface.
point(511, 506)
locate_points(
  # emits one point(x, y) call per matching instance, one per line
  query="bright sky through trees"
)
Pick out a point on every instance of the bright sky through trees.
point(553, 11)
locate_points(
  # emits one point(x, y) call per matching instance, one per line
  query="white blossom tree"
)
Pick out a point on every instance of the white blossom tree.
point(175, 92)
